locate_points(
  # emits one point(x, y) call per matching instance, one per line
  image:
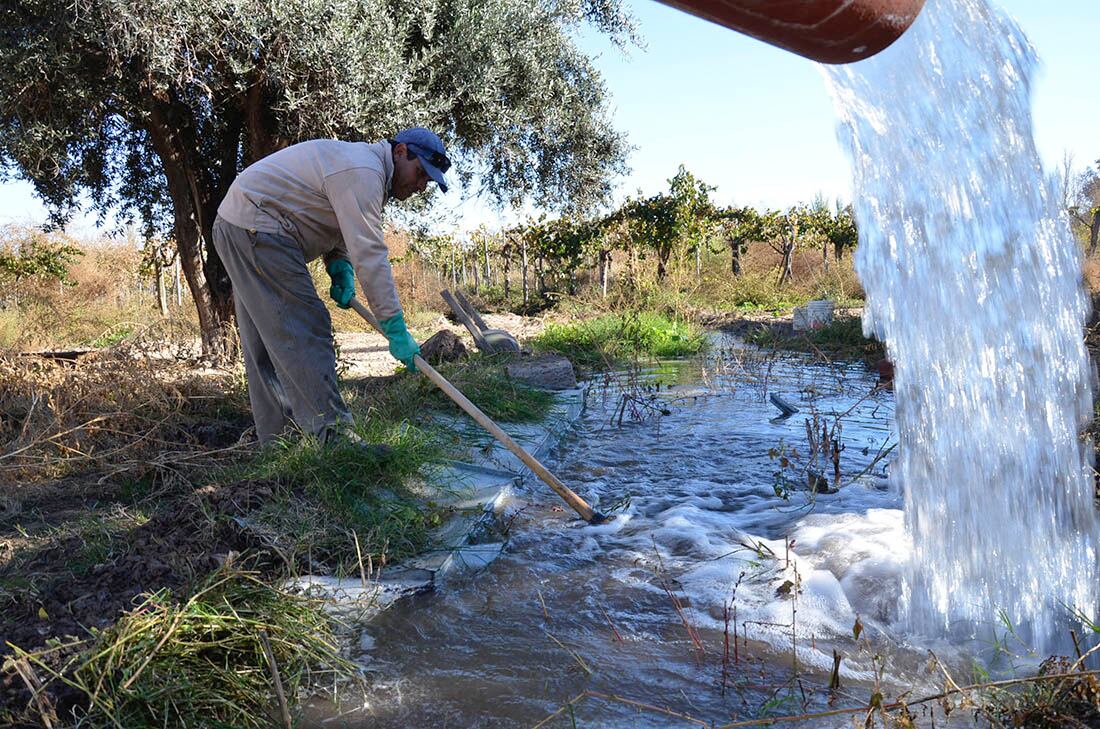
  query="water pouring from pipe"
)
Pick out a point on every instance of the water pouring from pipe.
point(973, 280)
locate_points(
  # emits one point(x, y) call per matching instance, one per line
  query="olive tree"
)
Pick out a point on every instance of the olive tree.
point(150, 108)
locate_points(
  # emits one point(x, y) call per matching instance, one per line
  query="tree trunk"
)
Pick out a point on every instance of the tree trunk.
point(698, 261)
point(523, 265)
point(476, 267)
point(788, 259)
point(663, 254)
point(162, 290)
point(506, 269)
point(825, 256)
point(194, 208)
point(1094, 231)
point(179, 283)
point(838, 251)
point(488, 277)
point(605, 265)
point(735, 256)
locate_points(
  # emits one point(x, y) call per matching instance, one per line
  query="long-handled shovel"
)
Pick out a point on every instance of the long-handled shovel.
point(576, 502)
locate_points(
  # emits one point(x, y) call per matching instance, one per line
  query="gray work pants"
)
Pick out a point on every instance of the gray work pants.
point(286, 334)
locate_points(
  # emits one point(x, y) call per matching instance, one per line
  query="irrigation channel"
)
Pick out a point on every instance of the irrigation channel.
point(720, 590)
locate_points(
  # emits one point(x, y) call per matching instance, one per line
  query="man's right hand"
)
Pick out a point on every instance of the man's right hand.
point(342, 274)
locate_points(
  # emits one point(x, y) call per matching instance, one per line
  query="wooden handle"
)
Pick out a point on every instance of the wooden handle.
point(575, 502)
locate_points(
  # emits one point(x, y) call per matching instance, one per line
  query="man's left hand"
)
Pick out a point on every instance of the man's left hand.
point(403, 346)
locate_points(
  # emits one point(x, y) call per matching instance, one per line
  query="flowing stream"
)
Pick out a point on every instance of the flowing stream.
point(973, 280)
point(722, 539)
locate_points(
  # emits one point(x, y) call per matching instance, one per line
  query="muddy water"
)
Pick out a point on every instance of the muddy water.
point(709, 544)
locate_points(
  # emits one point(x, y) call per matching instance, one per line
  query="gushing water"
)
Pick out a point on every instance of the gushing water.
point(973, 280)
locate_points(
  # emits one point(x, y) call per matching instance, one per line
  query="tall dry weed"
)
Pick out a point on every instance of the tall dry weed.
point(105, 296)
point(140, 410)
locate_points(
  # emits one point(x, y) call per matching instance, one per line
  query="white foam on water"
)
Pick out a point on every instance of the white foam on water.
point(973, 281)
point(846, 561)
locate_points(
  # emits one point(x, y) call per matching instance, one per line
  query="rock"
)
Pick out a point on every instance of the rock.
point(499, 340)
point(885, 369)
point(550, 372)
point(443, 346)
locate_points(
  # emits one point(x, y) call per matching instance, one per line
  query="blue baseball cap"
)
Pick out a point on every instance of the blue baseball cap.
point(428, 148)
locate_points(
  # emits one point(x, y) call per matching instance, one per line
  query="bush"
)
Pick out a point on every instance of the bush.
point(613, 339)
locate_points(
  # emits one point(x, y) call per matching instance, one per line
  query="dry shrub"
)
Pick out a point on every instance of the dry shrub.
point(107, 296)
point(118, 410)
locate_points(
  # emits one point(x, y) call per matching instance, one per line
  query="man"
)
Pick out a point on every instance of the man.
point(321, 198)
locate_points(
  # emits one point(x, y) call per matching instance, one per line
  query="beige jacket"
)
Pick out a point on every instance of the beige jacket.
point(328, 196)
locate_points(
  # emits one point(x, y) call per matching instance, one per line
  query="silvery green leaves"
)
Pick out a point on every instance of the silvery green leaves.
point(152, 108)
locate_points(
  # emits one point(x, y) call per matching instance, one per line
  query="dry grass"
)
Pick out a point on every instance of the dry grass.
point(115, 411)
point(107, 297)
point(1090, 269)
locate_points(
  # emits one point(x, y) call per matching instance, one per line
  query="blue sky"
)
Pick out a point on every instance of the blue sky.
point(756, 121)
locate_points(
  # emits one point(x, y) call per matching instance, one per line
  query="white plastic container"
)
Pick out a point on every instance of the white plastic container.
point(813, 315)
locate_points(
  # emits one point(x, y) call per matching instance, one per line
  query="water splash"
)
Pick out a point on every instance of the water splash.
point(973, 280)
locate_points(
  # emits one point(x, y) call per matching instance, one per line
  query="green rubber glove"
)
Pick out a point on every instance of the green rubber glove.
point(342, 274)
point(402, 345)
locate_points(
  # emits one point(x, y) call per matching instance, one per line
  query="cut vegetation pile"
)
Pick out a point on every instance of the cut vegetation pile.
point(113, 411)
point(236, 653)
point(333, 505)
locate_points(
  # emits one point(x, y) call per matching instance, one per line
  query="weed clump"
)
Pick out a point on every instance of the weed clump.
point(328, 496)
point(608, 340)
point(842, 338)
point(1062, 695)
point(237, 652)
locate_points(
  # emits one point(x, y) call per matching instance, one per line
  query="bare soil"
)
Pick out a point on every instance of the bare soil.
point(366, 354)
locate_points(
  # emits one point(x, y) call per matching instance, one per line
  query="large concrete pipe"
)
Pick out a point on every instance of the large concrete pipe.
point(830, 31)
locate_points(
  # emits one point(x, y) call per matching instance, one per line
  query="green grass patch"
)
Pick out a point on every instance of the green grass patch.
point(330, 495)
point(206, 660)
point(481, 378)
point(841, 339)
point(112, 336)
point(615, 338)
